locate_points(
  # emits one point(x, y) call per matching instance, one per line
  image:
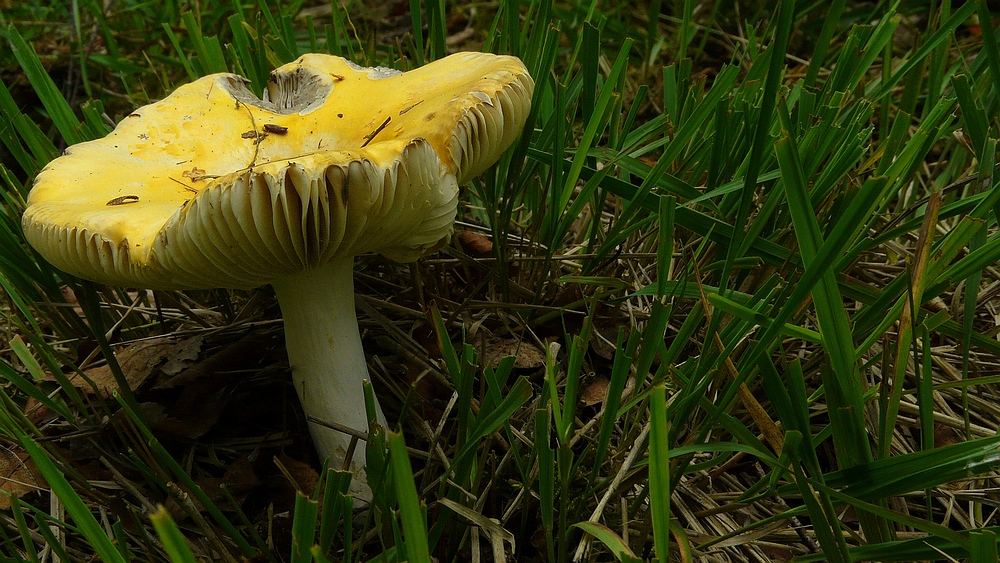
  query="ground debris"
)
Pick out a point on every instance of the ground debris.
point(18, 475)
point(526, 355)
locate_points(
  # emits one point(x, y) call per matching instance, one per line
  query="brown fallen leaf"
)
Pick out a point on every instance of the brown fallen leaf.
point(945, 435)
point(302, 475)
point(595, 393)
point(190, 403)
point(240, 354)
point(139, 360)
point(240, 476)
point(18, 475)
point(165, 421)
point(239, 480)
point(526, 355)
point(475, 244)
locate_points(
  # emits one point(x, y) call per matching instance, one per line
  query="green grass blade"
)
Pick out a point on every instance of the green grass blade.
point(42, 523)
point(841, 378)
point(417, 28)
point(22, 528)
point(437, 28)
point(173, 540)
point(976, 122)
point(830, 25)
point(83, 518)
point(917, 523)
point(983, 548)
point(761, 136)
point(914, 472)
point(168, 462)
point(843, 389)
point(303, 528)
point(762, 319)
point(931, 42)
point(336, 507)
point(182, 57)
point(989, 41)
point(601, 108)
point(820, 510)
point(10, 138)
point(659, 472)
point(546, 477)
point(619, 378)
point(610, 539)
point(487, 423)
point(412, 516)
point(60, 112)
point(551, 375)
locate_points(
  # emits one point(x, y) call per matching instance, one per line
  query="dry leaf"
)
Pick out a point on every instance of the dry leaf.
point(475, 244)
point(183, 420)
point(595, 393)
point(526, 355)
point(188, 403)
point(302, 474)
point(241, 354)
point(139, 360)
point(186, 352)
point(18, 475)
point(240, 476)
point(239, 480)
point(945, 435)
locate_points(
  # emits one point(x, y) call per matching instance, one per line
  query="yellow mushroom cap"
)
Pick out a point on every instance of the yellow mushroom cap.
point(212, 187)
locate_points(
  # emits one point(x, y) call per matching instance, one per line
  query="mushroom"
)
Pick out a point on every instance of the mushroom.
point(212, 187)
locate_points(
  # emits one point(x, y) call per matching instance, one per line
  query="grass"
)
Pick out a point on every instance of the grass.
point(731, 297)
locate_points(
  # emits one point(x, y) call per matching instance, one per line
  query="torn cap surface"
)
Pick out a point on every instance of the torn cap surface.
point(212, 187)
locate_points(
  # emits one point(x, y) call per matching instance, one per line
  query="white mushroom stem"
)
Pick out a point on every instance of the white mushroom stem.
point(327, 359)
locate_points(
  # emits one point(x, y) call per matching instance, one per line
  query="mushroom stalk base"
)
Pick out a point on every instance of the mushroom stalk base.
point(327, 360)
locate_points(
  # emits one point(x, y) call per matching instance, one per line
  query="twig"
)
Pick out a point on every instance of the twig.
point(370, 136)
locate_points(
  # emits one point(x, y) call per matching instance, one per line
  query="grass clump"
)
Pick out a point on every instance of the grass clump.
point(730, 297)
